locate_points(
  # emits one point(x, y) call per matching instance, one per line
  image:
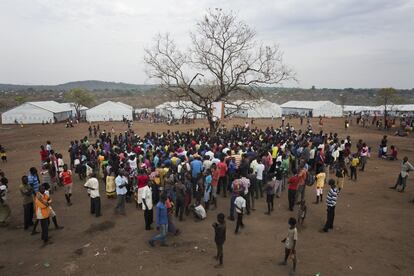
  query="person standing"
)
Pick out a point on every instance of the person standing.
point(292, 188)
point(121, 191)
point(331, 199)
point(27, 193)
point(320, 178)
point(93, 187)
point(270, 193)
point(142, 180)
point(303, 173)
point(146, 197)
point(259, 177)
point(43, 213)
point(162, 222)
point(222, 183)
point(219, 237)
point(240, 205)
point(66, 176)
point(180, 191)
point(353, 166)
point(290, 243)
point(405, 167)
point(33, 179)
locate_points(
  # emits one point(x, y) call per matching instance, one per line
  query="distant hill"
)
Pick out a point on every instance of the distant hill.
point(91, 85)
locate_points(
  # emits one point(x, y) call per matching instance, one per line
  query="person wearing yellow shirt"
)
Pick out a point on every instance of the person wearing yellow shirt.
point(353, 167)
point(320, 179)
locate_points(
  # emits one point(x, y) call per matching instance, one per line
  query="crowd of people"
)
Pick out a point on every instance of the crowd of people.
point(181, 174)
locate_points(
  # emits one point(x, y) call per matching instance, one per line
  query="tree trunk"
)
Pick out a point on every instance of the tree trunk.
point(212, 124)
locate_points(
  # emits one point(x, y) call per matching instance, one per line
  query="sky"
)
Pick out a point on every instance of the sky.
point(329, 44)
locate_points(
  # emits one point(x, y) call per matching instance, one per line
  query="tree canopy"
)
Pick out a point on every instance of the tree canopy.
point(224, 61)
point(80, 98)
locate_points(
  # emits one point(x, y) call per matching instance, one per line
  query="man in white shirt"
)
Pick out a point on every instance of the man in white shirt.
point(147, 206)
point(259, 177)
point(239, 204)
point(93, 188)
point(121, 190)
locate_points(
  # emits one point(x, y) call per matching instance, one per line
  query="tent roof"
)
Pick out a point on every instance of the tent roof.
point(51, 106)
point(402, 107)
point(72, 105)
point(110, 105)
point(361, 108)
point(306, 104)
point(125, 105)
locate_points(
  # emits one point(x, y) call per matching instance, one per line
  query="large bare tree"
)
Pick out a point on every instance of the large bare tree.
point(224, 62)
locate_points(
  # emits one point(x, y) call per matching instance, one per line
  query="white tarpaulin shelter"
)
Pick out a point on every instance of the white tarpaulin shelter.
point(71, 106)
point(254, 109)
point(125, 105)
point(109, 111)
point(177, 109)
point(312, 108)
point(36, 113)
point(363, 109)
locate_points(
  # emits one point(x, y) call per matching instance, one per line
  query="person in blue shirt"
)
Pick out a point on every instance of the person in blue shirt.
point(162, 222)
point(33, 179)
point(196, 167)
point(207, 188)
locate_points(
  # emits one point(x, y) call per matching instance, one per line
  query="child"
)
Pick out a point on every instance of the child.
point(353, 167)
point(302, 212)
point(219, 238)
point(240, 205)
point(320, 182)
point(270, 193)
point(392, 156)
point(3, 154)
point(290, 243)
point(66, 176)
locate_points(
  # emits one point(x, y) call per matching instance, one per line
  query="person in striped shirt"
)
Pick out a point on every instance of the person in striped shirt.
point(331, 199)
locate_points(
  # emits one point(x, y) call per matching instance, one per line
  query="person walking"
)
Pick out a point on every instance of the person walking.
point(219, 238)
point(331, 200)
point(162, 222)
point(290, 244)
point(405, 168)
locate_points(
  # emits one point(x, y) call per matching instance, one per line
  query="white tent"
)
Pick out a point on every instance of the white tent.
point(363, 109)
point(312, 108)
point(109, 111)
point(148, 110)
point(177, 109)
point(71, 106)
point(254, 109)
point(36, 113)
point(125, 105)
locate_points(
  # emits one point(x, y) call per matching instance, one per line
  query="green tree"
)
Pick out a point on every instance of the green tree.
point(20, 99)
point(79, 98)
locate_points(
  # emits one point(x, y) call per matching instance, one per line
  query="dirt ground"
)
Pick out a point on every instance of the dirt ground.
point(373, 233)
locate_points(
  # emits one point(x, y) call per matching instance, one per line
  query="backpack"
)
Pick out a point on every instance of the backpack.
point(310, 179)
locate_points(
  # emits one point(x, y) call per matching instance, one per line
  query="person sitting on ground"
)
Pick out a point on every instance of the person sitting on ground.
point(393, 155)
